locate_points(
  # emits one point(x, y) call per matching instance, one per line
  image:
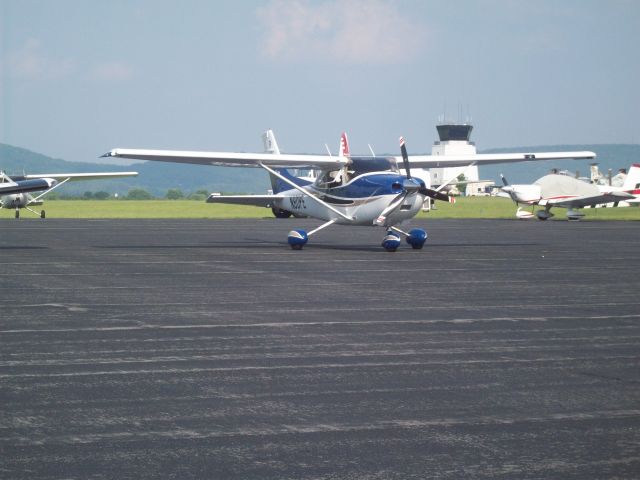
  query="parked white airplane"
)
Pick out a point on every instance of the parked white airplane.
point(559, 190)
point(349, 190)
point(48, 182)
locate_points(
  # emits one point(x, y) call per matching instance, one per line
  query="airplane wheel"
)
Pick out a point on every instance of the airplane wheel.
point(416, 238)
point(42, 214)
point(391, 242)
point(280, 213)
point(297, 239)
point(17, 213)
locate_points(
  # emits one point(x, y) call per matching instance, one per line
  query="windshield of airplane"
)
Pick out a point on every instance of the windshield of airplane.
point(357, 166)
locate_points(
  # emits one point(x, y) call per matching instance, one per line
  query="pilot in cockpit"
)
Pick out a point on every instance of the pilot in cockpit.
point(331, 179)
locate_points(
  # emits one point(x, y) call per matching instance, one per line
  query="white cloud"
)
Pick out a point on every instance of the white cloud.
point(30, 62)
point(339, 31)
point(111, 71)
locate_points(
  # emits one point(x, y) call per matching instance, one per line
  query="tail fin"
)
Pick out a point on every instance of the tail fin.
point(344, 146)
point(632, 182)
point(277, 185)
point(270, 144)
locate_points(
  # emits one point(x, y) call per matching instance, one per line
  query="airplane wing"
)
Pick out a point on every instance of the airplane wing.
point(256, 200)
point(232, 159)
point(62, 178)
point(587, 200)
point(440, 161)
point(82, 176)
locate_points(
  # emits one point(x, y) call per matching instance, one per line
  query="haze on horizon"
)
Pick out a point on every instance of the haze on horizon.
point(78, 78)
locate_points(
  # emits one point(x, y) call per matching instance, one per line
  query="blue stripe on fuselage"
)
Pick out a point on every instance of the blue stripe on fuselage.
point(367, 185)
point(363, 186)
point(277, 185)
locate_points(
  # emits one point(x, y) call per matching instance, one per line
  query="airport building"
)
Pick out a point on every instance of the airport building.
point(454, 139)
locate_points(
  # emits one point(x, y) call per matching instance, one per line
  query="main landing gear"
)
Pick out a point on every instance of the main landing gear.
point(391, 241)
point(280, 213)
point(42, 213)
point(298, 238)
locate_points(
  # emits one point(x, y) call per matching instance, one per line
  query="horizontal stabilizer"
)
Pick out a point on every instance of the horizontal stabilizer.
point(82, 176)
point(256, 200)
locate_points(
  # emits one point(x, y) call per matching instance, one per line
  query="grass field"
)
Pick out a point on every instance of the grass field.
point(466, 207)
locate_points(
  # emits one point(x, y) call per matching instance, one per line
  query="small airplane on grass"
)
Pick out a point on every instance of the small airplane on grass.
point(348, 190)
point(559, 190)
point(18, 197)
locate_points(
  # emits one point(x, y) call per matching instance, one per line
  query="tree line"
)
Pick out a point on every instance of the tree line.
point(132, 194)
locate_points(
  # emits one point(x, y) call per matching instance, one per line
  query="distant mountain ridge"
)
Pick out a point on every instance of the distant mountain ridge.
point(155, 177)
point(158, 177)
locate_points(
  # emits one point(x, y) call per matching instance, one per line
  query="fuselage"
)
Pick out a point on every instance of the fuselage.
point(16, 200)
point(361, 191)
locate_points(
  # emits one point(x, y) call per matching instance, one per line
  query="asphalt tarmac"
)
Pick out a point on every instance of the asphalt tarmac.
point(208, 349)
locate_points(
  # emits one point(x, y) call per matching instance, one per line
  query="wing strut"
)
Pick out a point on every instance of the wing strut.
point(305, 192)
point(49, 191)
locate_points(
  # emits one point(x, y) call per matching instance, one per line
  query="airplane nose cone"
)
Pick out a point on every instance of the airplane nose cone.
point(410, 185)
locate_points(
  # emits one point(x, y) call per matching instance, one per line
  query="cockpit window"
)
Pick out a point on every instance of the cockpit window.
point(358, 166)
point(372, 164)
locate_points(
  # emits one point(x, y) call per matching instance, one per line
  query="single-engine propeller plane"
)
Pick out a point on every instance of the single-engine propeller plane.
point(348, 190)
point(564, 191)
point(20, 198)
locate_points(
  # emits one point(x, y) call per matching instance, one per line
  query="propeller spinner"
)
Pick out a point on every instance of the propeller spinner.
point(409, 186)
point(428, 192)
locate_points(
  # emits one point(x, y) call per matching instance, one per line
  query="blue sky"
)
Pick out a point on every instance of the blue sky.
point(79, 77)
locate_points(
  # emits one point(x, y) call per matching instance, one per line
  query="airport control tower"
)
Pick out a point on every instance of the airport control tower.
point(453, 140)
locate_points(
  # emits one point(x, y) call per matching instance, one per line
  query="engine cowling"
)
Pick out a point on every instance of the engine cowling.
point(15, 200)
point(524, 193)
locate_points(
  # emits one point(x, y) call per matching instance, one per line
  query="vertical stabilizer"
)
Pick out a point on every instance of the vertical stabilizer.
point(632, 182)
point(277, 185)
point(270, 144)
point(344, 145)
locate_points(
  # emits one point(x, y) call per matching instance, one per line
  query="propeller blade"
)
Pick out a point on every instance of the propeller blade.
point(405, 157)
point(437, 195)
point(508, 189)
point(391, 208)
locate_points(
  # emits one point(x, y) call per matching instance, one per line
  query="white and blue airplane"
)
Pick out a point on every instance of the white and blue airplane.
point(15, 191)
point(347, 190)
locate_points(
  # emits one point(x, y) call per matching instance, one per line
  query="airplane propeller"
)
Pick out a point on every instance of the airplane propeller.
point(436, 195)
point(508, 189)
point(427, 192)
point(410, 185)
point(405, 157)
